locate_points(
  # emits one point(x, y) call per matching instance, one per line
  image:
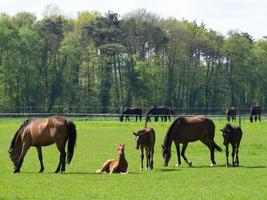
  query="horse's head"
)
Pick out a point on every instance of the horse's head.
point(120, 148)
point(14, 155)
point(166, 155)
point(227, 133)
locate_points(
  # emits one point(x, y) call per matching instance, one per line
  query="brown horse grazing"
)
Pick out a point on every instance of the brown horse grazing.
point(231, 114)
point(115, 166)
point(145, 139)
point(189, 129)
point(233, 136)
point(43, 132)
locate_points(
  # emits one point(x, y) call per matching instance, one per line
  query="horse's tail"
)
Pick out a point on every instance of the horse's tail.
point(217, 147)
point(72, 140)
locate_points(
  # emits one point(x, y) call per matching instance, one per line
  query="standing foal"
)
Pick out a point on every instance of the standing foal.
point(233, 136)
point(145, 139)
point(115, 166)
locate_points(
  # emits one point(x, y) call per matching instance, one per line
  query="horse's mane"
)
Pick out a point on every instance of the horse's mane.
point(167, 139)
point(22, 126)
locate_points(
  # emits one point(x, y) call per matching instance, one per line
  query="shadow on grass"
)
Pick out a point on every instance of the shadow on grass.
point(168, 170)
point(254, 167)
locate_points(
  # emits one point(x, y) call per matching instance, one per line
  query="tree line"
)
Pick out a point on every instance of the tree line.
point(140, 59)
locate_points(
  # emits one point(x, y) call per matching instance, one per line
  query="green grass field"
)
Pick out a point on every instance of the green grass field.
point(96, 143)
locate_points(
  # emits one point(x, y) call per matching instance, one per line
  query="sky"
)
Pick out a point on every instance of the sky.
point(220, 15)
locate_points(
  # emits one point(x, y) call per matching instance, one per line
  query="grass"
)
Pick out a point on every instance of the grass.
point(96, 143)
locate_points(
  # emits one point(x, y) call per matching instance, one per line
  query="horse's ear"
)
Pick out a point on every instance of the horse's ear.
point(134, 133)
point(123, 145)
point(221, 130)
point(162, 146)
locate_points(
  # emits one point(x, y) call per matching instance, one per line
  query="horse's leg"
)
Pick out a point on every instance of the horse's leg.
point(151, 159)
point(169, 117)
point(148, 158)
point(183, 154)
point(142, 158)
point(259, 118)
point(256, 118)
point(210, 144)
point(227, 154)
point(140, 118)
point(62, 158)
point(40, 156)
point(235, 159)
point(177, 144)
point(233, 155)
point(25, 148)
point(136, 118)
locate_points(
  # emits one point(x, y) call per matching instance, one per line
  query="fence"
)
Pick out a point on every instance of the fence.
point(111, 112)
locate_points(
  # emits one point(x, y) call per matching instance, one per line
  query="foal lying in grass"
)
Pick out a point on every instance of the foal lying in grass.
point(115, 166)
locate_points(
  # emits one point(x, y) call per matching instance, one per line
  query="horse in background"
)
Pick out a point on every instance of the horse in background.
point(159, 111)
point(115, 166)
point(233, 136)
point(43, 132)
point(145, 140)
point(189, 129)
point(231, 114)
point(255, 112)
point(131, 111)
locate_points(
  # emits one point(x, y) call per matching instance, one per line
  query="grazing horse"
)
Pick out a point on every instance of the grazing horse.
point(131, 111)
point(233, 136)
point(43, 132)
point(255, 111)
point(231, 114)
point(189, 129)
point(159, 111)
point(145, 139)
point(115, 166)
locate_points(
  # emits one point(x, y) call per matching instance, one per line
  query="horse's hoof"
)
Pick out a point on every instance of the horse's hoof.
point(16, 171)
point(177, 165)
point(189, 162)
point(213, 164)
point(227, 165)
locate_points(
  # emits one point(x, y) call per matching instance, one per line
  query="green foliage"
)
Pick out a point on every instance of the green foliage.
point(139, 59)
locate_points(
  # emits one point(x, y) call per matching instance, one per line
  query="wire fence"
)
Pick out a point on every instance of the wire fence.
point(112, 113)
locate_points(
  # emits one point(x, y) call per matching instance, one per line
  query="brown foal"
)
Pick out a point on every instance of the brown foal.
point(115, 166)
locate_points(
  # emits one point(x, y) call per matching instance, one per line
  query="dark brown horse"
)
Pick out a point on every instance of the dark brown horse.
point(115, 166)
point(145, 140)
point(159, 111)
point(231, 114)
point(133, 111)
point(233, 136)
point(43, 132)
point(189, 129)
point(255, 112)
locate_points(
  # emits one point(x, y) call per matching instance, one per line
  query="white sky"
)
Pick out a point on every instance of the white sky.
point(220, 15)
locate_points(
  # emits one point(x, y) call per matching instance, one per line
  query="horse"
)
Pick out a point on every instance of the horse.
point(189, 129)
point(232, 135)
point(115, 166)
point(131, 111)
point(145, 139)
point(231, 114)
point(255, 111)
point(43, 132)
point(159, 111)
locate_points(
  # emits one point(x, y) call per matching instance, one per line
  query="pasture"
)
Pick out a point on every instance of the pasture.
point(96, 143)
